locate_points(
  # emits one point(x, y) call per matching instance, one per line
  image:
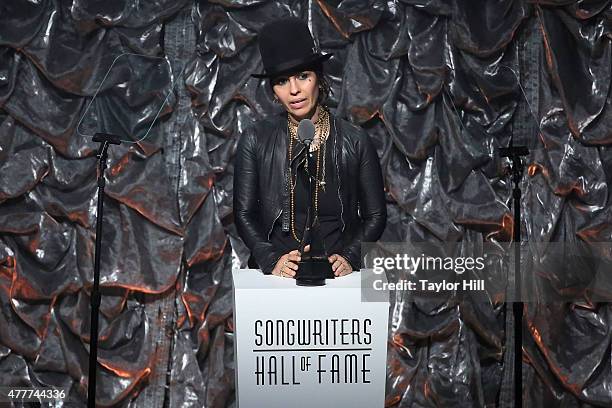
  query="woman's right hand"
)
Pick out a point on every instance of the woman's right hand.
point(287, 264)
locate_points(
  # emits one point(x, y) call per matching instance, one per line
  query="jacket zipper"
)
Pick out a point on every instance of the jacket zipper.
point(274, 222)
point(339, 175)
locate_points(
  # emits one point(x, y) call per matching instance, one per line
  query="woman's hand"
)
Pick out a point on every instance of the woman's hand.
point(340, 266)
point(287, 265)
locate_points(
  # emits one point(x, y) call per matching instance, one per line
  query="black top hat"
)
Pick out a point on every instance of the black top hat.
point(286, 45)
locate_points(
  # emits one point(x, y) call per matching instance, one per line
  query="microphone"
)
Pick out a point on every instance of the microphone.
point(306, 131)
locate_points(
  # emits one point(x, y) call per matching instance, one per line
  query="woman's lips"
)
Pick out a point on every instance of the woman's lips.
point(298, 104)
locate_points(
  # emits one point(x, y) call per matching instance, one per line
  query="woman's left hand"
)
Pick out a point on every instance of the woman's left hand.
point(340, 266)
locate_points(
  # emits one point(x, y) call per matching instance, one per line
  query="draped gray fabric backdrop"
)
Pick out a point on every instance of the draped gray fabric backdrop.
point(435, 85)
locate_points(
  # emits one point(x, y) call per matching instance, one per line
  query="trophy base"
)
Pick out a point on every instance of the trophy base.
point(313, 272)
point(310, 282)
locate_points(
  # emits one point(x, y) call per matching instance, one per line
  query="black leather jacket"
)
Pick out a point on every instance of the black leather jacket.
point(261, 190)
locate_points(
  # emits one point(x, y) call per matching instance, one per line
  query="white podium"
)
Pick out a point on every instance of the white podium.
point(308, 347)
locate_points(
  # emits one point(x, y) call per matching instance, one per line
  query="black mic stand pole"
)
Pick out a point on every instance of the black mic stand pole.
point(309, 213)
point(514, 153)
point(313, 269)
point(105, 140)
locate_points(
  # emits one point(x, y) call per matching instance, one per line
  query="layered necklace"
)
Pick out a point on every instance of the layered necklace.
point(318, 146)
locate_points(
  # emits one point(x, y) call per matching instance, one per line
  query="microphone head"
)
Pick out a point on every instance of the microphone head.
point(306, 131)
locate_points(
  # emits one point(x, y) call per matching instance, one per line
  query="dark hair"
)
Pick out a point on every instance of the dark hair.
point(322, 79)
point(324, 87)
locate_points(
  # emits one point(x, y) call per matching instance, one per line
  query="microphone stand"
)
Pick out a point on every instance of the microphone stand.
point(305, 266)
point(314, 267)
point(514, 153)
point(308, 224)
point(105, 140)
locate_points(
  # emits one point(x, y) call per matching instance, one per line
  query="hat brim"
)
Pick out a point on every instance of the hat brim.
point(293, 66)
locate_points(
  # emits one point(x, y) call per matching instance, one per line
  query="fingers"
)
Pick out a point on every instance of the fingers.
point(287, 265)
point(336, 261)
point(307, 248)
point(287, 272)
point(284, 271)
point(291, 261)
point(294, 256)
point(344, 270)
point(340, 266)
point(337, 266)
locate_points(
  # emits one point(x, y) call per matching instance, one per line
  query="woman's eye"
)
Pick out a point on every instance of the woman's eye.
point(281, 81)
point(303, 75)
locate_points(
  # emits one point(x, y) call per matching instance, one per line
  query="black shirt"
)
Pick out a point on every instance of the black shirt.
point(329, 206)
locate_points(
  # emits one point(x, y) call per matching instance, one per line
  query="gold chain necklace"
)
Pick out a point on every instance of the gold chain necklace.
point(321, 129)
point(322, 126)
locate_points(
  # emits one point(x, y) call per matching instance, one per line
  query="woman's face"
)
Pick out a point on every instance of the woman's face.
point(298, 93)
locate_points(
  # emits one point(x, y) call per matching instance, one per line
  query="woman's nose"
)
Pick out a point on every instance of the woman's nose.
point(293, 86)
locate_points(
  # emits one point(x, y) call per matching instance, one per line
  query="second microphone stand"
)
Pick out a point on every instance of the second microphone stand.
point(514, 153)
point(105, 140)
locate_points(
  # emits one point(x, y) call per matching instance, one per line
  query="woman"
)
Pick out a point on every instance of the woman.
point(270, 185)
